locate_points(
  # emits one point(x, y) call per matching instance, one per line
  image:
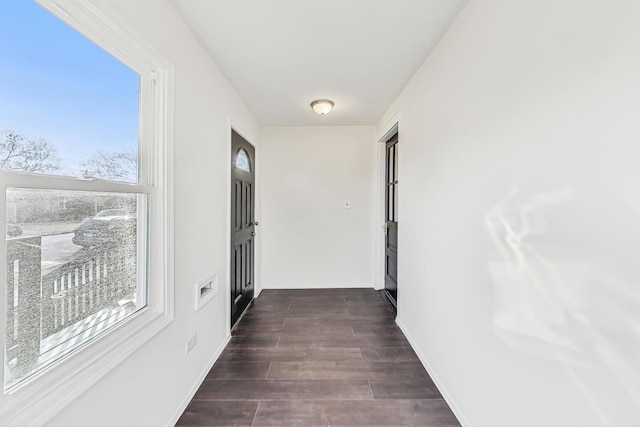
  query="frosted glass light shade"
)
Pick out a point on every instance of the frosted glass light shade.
point(322, 106)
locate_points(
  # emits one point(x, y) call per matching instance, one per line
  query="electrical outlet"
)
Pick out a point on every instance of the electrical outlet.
point(192, 343)
point(347, 204)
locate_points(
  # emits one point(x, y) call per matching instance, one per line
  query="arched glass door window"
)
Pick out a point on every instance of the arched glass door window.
point(242, 161)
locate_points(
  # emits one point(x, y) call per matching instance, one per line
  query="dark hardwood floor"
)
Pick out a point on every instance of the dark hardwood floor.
point(318, 357)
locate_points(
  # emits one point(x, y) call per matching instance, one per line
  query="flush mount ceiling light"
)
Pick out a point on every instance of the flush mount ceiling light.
point(322, 106)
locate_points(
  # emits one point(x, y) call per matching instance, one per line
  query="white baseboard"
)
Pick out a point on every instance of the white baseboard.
point(331, 286)
point(441, 388)
point(183, 405)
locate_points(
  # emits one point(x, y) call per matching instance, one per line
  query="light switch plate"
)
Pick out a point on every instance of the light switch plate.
point(347, 204)
point(192, 343)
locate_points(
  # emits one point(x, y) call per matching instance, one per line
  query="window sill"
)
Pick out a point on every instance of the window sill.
point(47, 393)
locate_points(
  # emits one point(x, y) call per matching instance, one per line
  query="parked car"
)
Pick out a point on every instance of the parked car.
point(109, 226)
point(13, 230)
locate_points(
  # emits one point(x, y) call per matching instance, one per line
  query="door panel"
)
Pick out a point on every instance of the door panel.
point(248, 207)
point(237, 201)
point(242, 225)
point(391, 221)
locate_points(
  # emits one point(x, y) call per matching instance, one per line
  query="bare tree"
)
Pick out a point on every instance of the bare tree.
point(114, 166)
point(29, 155)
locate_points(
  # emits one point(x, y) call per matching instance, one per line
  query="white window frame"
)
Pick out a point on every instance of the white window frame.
point(42, 396)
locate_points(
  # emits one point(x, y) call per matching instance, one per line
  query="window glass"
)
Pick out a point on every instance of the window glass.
point(242, 161)
point(395, 202)
point(72, 272)
point(390, 202)
point(76, 261)
point(390, 164)
point(395, 162)
point(66, 106)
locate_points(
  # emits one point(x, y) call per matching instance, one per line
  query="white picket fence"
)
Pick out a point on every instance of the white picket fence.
point(41, 306)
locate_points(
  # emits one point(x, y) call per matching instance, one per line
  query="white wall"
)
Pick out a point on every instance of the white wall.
point(151, 386)
point(520, 213)
point(309, 238)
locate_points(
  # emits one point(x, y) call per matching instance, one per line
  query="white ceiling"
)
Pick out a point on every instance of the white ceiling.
point(282, 54)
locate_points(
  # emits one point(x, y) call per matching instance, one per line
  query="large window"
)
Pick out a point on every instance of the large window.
point(86, 193)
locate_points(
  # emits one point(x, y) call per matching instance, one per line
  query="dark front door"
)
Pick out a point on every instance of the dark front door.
point(242, 224)
point(391, 223)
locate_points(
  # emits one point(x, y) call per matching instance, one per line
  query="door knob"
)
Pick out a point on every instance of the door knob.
point(255, 223)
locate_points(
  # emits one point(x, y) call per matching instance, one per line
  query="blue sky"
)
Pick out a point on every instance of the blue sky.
point(57, 85)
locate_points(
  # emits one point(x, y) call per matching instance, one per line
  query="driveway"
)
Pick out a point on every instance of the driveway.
point(56, 250)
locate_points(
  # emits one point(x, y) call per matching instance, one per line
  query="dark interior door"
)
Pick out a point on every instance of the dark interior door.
point(242, 225)
point(391, 224)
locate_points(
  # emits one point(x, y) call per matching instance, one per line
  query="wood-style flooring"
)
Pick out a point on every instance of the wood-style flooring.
point(318, 357)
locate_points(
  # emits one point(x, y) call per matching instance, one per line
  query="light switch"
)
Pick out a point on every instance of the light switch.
point(347, 204)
